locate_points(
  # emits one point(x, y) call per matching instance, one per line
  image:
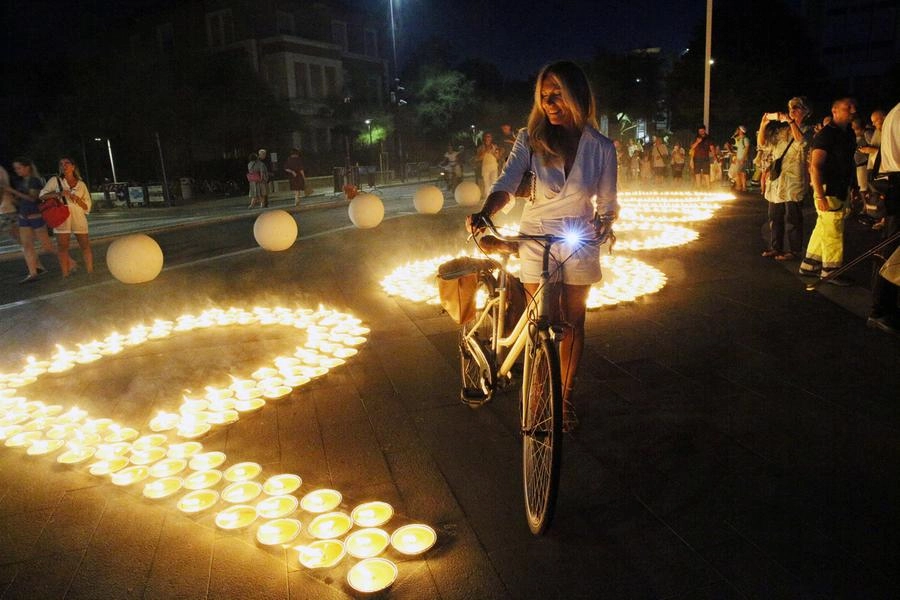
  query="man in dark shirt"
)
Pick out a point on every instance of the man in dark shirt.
point(832, 173)
point(701, 158)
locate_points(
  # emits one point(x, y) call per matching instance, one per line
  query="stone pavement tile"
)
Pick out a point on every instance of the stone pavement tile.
point(7, 575)
point(181, 564)
point(118, 560)
point(336, 404)
point(252, 437)
point(241, 570)
point(303, 585)
point(73, 521)
point(396, 430)
point(718, 590)
point(47, 576)
point(365, 372)
point(20, 532)
point(459, 567)
point(411, 362)
point(426, 494)
point(299, 438)
point(353, 454)
point(31, 486)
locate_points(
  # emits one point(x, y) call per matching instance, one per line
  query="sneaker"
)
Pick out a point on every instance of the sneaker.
point(882, 323)
point(29, 279)
point(838, 281)
point(808, 273)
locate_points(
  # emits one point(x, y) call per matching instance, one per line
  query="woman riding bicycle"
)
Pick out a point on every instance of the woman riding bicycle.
point(575, 180)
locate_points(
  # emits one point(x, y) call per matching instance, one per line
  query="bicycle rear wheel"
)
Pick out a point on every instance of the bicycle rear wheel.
point(541, 435)
point(476, 358)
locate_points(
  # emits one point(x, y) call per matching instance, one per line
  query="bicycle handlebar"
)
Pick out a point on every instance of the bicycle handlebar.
point(602, 231)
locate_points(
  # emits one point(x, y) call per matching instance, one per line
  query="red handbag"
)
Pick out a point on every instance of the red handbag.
point(54, 210)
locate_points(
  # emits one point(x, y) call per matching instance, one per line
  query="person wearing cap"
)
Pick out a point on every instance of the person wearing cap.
point(741, 151)
point(785, 193)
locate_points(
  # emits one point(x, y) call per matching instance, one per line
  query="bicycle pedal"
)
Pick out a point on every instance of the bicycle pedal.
point(473, 397)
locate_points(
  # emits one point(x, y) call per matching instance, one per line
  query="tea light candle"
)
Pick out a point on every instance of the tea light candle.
point(149, 441)
point(413, 539)
point(366, 543)
point(330, 525)
point(191, 427)
point(193, 405)
point(130, 475)
point(164, 421)
point(243, 471)
point(249, 404)
point(285, 483)
point(197, 501)
point(225, 417)
point(8, 431)
point(236, 517)
point(184, 449)
point(276, 392)
point(242, 385)
point(264, 373)
point(207, 460)
point(76, 453)
point(321, 554)
point(162, 488)
point(276, 507)
point(372, 514)
point(202, 479)
point(105, 467)
point(241, 491)
point(115, 433)
point(22, 439)
point(114, 450)
point(85, 439)
point(344, 352)
point(218, 394)
point(168, 467)
point(41, 447)
point(96, 425)
point(296, 381)
point(220, 404)
point(148, 456)
point(319, 501)
point(279, 531)
point(372, 575)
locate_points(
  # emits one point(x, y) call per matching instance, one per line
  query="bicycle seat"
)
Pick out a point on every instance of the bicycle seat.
point(491, 244)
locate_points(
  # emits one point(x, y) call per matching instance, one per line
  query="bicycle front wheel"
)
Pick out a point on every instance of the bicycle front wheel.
point(541, 435)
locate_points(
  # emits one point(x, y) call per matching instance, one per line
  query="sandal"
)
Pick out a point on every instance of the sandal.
point(770, 253)
point(786, 256)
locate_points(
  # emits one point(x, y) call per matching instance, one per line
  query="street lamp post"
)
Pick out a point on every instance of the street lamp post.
point(112, 163)
point(707, 62)
point(369, 125)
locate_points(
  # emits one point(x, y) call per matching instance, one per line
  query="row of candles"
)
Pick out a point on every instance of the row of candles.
point(647, 221)
point(166, 469)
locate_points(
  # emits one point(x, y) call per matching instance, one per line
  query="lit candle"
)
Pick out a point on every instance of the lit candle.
point(40, 447)
point(249, 404)
point(321, 554)
point(279, 531)
point(149, 441)
point(184, 449)
point(164, 421)
point(130, 475)
point(197, 500)
point(105, 467)
point(193, 425)
point(330, 525)
point(162, 488)
point(285, 483)
point(207, 460)
point(319, 501)
point(236, 517)
point(241, 491)
point(372, 514)
point(76, 453)
point(243, 471)
point(372, 575)
point(193, 405)
point(276, 507)
point(366, 543)
point(264, 373)
point(202, 479)
point(225, 417)
point(168, 467)
point(22, 439)
point(413, 539)
point(276, 392)
point(148, 456)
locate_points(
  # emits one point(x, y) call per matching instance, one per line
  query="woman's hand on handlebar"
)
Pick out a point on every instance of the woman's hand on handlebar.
point(603, 224)
point(475, 223)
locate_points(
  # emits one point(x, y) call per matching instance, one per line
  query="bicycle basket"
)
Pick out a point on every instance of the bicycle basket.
point(457, 281)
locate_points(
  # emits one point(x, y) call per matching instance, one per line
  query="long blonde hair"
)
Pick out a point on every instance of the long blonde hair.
point(576, 92)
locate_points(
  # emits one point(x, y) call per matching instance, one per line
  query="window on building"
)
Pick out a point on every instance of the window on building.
point(331, 81)
point(339, 34)
point(373, 89)
point(165, 38)
point(371, 48)
point(284, 21)
point(219, 28)
point(316, 81)
point(301, 80)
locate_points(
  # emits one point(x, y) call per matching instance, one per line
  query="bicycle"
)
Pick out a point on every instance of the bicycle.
point(488, 353)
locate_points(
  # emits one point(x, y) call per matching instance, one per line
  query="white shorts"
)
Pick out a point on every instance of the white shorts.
point(76, 223)
point(580, 262)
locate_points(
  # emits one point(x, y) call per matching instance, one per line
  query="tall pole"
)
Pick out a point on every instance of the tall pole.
point(707, 62)
point(111, 162)
point(162, 163)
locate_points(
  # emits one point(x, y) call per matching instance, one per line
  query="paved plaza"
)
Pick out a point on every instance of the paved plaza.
point(738, 438)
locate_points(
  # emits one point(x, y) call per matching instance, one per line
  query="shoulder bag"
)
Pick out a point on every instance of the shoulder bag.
point(775, 167)
point(55, 209)
point(527, 187)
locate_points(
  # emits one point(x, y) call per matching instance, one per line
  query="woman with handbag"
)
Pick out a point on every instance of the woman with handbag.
point(573, 179)
point(786, 179)
point(69, 186)
point(258, 178)
point(31, 222)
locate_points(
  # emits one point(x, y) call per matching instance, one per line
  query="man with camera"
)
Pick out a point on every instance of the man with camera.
point(700, 156)
point(833, 173)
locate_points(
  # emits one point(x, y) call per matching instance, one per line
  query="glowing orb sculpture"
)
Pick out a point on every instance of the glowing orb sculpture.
point(275, 230)
point(428, 200)
point(467, 193)
point(135, 258)
point(366, 211)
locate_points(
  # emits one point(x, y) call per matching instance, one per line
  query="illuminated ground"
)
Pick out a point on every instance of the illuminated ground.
point(715, 459)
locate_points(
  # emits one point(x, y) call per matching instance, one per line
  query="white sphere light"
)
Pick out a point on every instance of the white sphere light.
point(428, 200)
point(275, 230)
point(366, 211)
point(135, 258)
point(467, 193)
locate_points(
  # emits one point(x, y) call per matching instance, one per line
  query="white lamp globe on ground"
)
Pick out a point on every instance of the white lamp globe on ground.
point(428, 200)
point(135, 258)
point(467, 193)
point(275, 230)
point(366, 211)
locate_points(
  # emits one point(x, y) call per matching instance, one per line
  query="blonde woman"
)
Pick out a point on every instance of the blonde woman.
point(31, 224)
point(575, 174)
point(68, 184)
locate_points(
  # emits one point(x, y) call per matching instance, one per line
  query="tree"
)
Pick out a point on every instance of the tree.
point(443, 99)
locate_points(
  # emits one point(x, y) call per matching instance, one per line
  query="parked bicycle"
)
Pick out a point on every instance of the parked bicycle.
point(488, 353)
